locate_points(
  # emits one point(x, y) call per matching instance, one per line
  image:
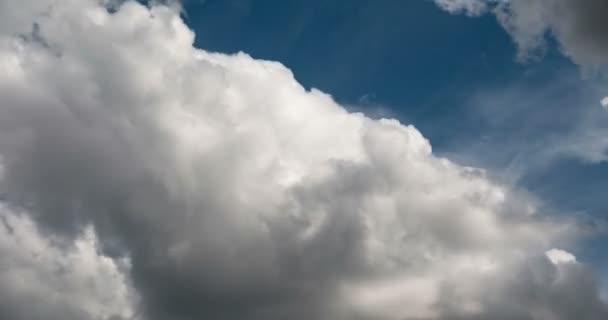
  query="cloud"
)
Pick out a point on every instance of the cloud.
point(42, 279)
point(557, 256)
point(604, 103)
point(514, 116)
point(470, 7)
point(237, 194)
point(580, 27)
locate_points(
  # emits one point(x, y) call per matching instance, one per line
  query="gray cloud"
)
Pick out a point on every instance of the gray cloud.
point(237, 194)
point(579, 26)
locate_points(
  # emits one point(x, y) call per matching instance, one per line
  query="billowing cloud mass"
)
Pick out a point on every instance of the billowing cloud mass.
point(580, 26)
point(41, 279)
point(143, 178)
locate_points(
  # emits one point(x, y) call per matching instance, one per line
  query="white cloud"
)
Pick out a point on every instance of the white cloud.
point(604, 103)
point(516, 118)
point(41, 279)
point(557, 256)
point(240, 195)
point(470, 7)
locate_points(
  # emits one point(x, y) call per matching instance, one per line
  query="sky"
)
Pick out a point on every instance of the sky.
point(332, 160)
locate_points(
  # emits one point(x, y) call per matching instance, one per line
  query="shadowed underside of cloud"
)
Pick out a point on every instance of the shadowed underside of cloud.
point(143, 178)
point(580, 26)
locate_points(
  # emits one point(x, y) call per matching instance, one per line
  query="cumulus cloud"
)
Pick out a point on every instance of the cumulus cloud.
point(579, 26)
point(234, 193)
point(604, 103)
point(41, 279)
point(557, 256)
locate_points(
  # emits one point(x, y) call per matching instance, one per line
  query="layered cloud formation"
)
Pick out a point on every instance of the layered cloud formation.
point(142, 178)
point(580, 26)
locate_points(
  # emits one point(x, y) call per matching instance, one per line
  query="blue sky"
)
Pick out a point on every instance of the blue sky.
point(456, 78)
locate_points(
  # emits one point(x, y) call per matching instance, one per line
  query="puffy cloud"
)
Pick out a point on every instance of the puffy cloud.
point(604, 103)
point(237, 194)
point(557, 256)
point(580, 26)
point(42, 279)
